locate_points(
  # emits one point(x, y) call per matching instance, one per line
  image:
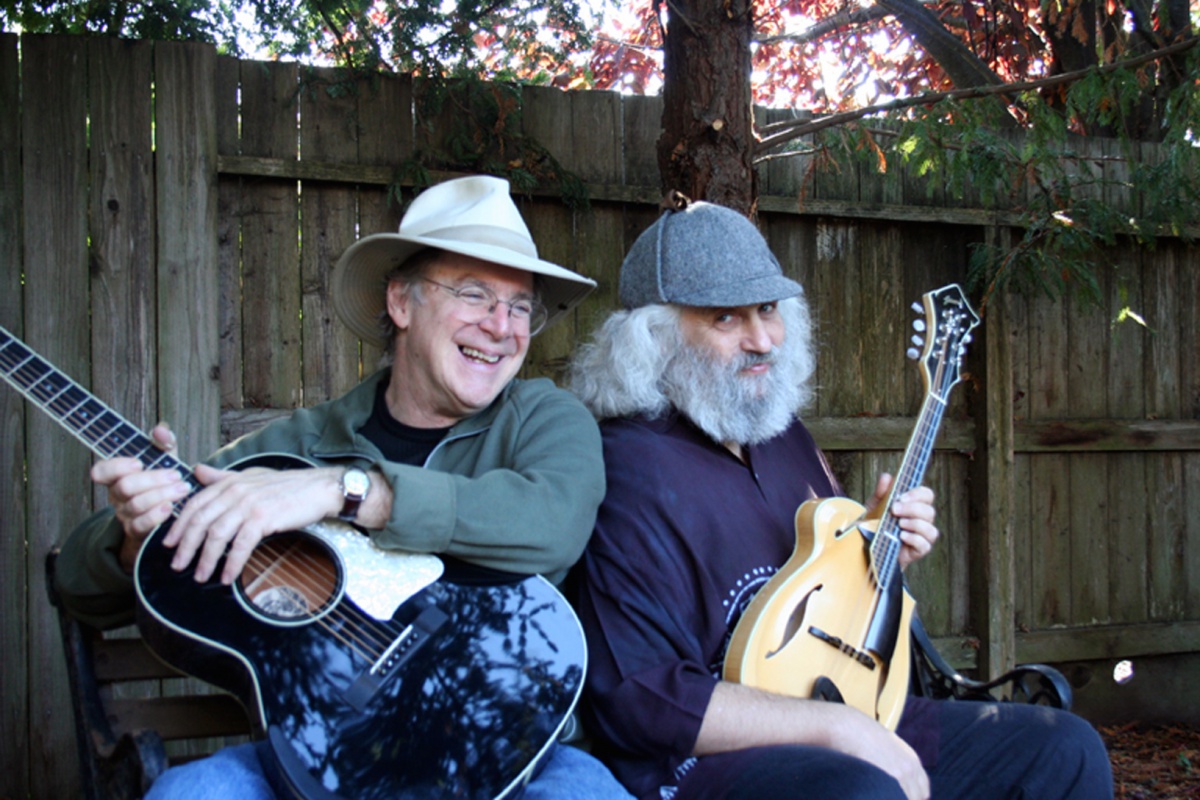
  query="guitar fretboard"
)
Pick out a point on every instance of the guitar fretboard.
point(103, 430)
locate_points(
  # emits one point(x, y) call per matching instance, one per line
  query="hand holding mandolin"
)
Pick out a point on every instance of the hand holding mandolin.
point(914, 511)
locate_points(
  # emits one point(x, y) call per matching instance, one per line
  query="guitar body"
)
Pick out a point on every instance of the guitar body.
point(370, 673)
point(820, 629)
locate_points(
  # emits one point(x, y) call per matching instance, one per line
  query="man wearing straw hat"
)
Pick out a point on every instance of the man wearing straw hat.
point(442, 451)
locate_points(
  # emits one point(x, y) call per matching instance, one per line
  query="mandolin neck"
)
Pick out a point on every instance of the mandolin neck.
point(886, 544)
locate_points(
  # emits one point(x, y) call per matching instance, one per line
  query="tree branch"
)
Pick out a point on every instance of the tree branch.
point(780, 133)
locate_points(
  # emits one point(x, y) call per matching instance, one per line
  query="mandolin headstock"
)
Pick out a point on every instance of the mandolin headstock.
point(943, 334)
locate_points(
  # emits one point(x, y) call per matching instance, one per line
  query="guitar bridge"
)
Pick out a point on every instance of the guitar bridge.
point(840, 644)
point(398, 652)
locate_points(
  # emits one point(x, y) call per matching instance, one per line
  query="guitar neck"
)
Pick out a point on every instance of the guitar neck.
point(89, 419)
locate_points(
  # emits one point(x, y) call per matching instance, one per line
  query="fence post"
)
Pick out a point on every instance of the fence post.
point(993, 486)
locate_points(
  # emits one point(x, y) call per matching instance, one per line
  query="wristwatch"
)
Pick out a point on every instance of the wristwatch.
point(355, 484)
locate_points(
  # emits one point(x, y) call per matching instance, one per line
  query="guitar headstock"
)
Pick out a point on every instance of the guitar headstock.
point(947, 324)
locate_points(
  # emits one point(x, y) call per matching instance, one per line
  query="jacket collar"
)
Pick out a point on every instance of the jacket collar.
point(341, 438)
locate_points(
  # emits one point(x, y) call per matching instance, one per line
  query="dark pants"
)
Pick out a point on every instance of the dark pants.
point(978, 751)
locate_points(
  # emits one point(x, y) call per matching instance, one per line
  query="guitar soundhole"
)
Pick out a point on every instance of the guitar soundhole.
point(291, 578)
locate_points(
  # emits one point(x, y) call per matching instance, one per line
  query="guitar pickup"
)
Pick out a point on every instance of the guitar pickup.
point(401, 649)
point(837, 642)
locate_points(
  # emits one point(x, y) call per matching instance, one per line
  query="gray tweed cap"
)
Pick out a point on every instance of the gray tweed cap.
point(705, 255)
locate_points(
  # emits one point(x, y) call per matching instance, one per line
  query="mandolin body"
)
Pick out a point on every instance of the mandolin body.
point(821, 628)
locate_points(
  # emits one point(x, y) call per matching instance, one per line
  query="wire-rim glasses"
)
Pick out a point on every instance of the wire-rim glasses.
point(482, 301)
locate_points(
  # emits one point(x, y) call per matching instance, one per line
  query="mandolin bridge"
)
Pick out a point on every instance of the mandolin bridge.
point(838, 643)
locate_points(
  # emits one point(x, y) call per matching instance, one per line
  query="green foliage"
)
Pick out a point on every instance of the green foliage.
point(1066, 201)
point(188, 20)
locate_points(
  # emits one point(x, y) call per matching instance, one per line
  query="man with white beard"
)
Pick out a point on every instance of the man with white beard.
point(697, 384)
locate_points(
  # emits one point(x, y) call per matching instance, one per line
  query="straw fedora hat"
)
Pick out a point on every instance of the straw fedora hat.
point(473, 216)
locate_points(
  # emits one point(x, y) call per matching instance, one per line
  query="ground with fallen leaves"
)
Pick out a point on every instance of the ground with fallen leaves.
point(1154, 762)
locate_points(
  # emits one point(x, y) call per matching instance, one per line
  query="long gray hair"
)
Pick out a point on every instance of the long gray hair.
point(623, 371)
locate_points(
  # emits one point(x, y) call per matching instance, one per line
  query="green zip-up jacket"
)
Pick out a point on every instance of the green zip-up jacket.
point(514, 488)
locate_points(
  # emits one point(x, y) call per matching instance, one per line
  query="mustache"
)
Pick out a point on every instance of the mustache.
point(748, 360)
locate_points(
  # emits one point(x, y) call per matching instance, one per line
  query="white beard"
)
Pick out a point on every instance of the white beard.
point(730, 406)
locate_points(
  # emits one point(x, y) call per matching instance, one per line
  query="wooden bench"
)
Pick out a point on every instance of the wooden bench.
point(134, 715)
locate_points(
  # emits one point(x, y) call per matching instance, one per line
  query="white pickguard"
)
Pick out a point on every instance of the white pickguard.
point(378, 581)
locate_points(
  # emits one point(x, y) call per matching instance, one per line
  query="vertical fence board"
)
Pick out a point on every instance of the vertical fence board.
point(1087, 381)
point(386, 136)
point(1046, 536)
point(229, 236)
point(1166, 587)
point(1189, 382)
point(54, 135)
point(552, 224)
point(641, 122)
point(328, 132)
point(188, 264)
point(837, 307)
point(992, 567)
point(124, 324)
point(14, 668)
point(270, 240)
point(838, 312)
point(1127, 526)
point(598, 249)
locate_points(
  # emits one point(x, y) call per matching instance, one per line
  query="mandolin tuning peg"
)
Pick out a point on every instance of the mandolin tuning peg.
point(918, 341)
point(918, 325)
point(917, 307)
point(913, 353)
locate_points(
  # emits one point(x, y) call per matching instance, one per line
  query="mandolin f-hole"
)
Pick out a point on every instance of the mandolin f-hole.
point(795, 622)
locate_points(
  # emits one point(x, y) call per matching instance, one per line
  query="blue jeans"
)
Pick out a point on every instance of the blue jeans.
point(236, 773)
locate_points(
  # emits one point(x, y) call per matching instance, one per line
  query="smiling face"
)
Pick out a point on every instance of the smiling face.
point(450, 363)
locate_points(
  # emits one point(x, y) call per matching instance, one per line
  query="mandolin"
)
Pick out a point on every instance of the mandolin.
point(828, 624)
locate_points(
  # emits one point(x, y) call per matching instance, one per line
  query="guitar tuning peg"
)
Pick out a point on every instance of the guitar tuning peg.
point(917, 307)
point(918, 325)
point(918, 341)
point(913, 353)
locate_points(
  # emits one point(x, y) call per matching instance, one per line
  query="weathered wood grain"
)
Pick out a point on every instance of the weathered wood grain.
point(55, 258)
point(271, 343)
point(188, 281)
point(14, 638)
point(328, 217)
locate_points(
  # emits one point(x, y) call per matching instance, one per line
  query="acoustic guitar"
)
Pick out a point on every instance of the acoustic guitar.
point(370, 673)
point(830, 623)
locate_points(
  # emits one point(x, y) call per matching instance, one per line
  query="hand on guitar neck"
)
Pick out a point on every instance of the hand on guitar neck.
point(915, 514)
point(230, 514)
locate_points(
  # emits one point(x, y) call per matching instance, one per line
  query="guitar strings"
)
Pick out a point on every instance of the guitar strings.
point(357, 630)
point(886, 544)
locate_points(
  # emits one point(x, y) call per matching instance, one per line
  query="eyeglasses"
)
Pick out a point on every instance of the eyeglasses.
point(481, 302)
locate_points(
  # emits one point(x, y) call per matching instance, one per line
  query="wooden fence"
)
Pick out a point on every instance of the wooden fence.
point(169, 219)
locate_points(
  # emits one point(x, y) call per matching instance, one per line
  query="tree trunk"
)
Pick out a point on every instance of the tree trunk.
point(708, 132)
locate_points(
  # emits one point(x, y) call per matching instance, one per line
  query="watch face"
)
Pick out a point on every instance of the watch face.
point(356, 483)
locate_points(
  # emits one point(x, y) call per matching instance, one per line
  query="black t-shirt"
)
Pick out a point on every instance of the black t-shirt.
point(398, 442)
